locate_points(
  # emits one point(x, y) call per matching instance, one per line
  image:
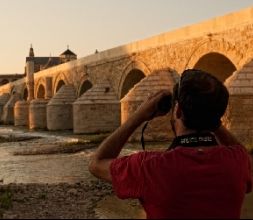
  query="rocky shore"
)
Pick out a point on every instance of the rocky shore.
point(93, 200)
point(61, 201)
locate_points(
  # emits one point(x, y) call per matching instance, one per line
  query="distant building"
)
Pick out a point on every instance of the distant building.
point(67, 56)
point(40, 63)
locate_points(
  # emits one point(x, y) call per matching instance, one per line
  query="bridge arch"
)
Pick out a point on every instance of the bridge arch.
point(85, 85)
point(59, 81)
point(59, 85)
point(132, 74)
point(24, 92)
point(216, 64)
point(217, 50)
point(41, 92)
point(40, 88)
point(13, 90)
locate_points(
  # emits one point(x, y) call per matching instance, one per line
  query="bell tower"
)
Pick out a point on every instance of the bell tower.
point(31, 52)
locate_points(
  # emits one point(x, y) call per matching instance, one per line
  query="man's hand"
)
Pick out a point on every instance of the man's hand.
point(149, 109)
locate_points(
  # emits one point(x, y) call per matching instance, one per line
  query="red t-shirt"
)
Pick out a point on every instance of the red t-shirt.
point(185, 182)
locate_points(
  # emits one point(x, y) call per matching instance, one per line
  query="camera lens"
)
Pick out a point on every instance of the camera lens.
point(164, 105)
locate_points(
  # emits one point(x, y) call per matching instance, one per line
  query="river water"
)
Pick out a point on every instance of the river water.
point(54, 168)
point(42, 168)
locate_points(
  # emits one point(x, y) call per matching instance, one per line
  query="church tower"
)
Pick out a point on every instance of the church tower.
point(31, 52)
point(29, 70)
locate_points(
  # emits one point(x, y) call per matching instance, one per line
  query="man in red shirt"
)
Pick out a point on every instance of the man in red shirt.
point(204, 174)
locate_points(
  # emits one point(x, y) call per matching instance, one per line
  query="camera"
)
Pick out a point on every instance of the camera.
point(165, 104)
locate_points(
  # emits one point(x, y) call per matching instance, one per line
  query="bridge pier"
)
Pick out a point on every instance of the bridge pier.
point(3, 100)
point(158, 129)
point(60, 109)
point(21, 113)
point(38, 114)
point(8, 110)
point(239, 117)
point(97, 110)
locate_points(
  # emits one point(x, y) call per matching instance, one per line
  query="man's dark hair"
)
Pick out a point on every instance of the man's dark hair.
point(202, 98)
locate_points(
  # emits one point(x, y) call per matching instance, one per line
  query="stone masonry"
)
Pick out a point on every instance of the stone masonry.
point(60, 110)
point(222, 46)
point(97, 110)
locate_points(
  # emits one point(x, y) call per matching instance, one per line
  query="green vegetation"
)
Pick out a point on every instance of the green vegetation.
point(5, 201)
point(43, 196)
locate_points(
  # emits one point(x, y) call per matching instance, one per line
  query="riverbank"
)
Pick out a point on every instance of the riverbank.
point(45, 175)
point(55, 201)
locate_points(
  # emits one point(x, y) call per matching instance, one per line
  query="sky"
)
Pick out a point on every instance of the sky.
point(87, 25)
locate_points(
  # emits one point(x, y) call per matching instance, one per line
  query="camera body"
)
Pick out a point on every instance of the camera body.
point(165, 104)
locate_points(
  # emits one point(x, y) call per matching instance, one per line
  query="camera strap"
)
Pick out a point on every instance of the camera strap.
point(142, 135)
point(206, 139)
point(143, 130)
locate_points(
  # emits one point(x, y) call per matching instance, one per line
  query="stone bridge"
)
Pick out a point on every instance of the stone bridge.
point(99, 84)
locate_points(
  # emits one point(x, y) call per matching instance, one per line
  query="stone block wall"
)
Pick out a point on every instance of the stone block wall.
point(239, 117)
point(96, 118)
point(38, 114)
point(8, 110)
point(21, 113)
point(97, 110)
point(60, 117)
point(60, 109)
point(3, 100)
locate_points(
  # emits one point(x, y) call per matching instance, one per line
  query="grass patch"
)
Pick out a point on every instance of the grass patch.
point(43, 196)
point(6, 200)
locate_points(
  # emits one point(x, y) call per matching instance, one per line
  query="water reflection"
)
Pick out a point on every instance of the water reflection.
point(68, 168)
point(46, 168)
